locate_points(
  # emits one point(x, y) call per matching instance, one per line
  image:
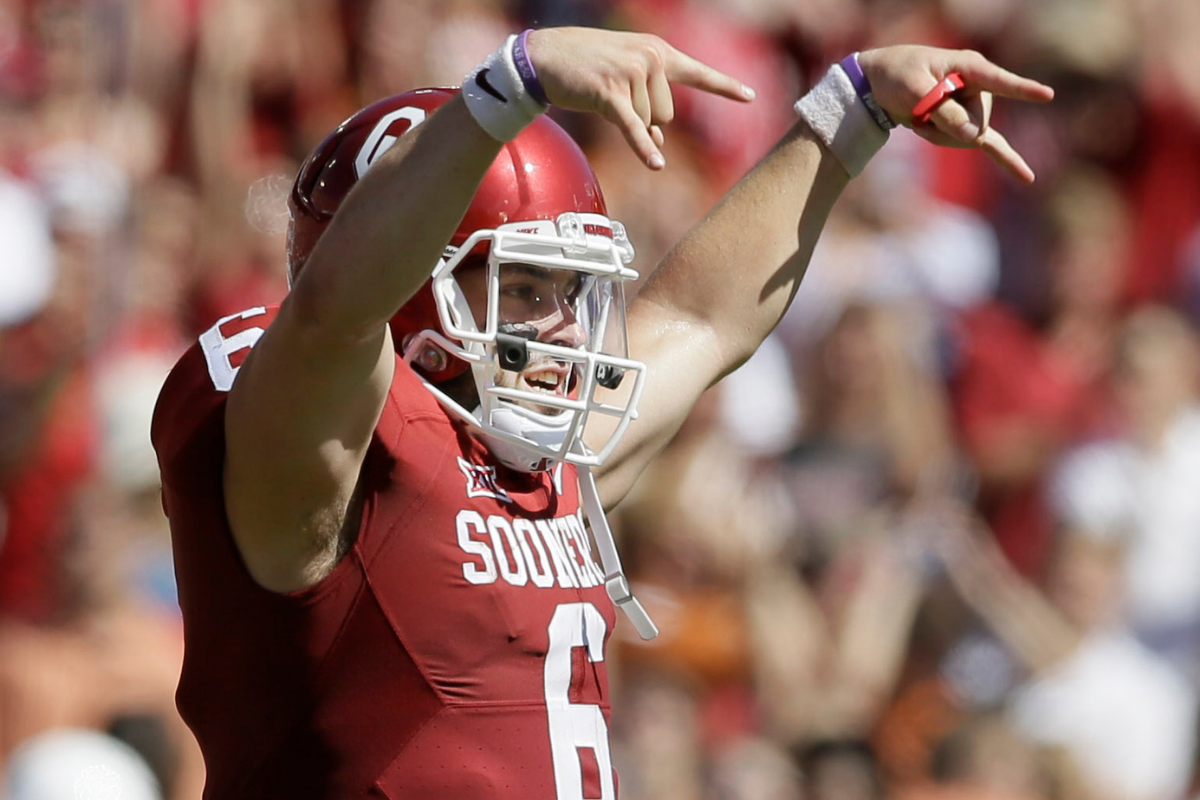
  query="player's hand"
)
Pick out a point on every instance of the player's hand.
point(900, 76)
point(625, 78)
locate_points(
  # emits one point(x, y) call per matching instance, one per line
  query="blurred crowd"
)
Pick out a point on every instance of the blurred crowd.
point(938, 540)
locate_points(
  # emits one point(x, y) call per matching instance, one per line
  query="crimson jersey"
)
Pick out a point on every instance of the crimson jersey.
point(457, 650)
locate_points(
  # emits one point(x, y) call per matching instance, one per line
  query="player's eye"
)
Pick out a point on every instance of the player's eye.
point(523, 292)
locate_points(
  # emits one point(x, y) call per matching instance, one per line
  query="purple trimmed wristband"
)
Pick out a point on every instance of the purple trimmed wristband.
point(525, 69)
point(854, 72)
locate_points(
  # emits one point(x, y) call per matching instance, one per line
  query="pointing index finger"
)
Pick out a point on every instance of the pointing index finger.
point(981, 74)
point(682, 68)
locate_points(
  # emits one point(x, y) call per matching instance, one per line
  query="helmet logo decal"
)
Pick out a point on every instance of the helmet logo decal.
point(380, 141)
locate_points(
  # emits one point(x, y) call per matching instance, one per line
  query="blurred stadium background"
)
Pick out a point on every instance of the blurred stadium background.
point(940, 540)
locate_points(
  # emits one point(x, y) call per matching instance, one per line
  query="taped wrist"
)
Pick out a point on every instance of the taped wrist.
point(497, 94)
point(842, 121)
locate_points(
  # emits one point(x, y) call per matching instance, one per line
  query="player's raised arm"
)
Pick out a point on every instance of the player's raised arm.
point(722, 289)
point(306, 400)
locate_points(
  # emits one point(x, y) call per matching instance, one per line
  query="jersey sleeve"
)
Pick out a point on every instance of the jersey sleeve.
point(188, 428)
point(188, 433)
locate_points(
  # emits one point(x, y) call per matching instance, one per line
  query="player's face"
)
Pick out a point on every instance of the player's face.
point(539, 304)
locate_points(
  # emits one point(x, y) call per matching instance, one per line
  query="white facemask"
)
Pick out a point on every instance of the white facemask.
point(586, 244)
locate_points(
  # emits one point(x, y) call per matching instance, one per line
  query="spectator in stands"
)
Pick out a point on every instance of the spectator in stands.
point(1124, 714)
point(1138, 489)
point(1027, 388)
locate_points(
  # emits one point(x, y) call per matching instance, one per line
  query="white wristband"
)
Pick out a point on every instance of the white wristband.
point(840, 120)
point(496, 96)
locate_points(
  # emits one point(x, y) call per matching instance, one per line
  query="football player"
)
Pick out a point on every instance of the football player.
point(380, 491)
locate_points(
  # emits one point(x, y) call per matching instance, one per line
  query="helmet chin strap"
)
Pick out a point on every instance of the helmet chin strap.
point(532, 425)
point(614, 576)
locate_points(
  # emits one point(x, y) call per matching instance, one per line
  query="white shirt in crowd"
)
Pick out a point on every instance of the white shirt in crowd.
point(1152, 498)
point(1126, 716)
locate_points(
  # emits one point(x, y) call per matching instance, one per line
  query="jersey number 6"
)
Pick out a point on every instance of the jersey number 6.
point(575, 726)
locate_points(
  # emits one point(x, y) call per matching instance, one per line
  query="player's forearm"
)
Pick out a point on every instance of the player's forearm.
point(736, 272)
point(732, 278)
point(393, 226)
point(720, 291)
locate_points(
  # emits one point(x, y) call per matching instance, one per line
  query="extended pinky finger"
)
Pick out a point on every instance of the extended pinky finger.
point(999, 150)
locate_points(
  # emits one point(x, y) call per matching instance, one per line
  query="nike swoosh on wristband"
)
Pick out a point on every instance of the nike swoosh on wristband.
point(482, 81)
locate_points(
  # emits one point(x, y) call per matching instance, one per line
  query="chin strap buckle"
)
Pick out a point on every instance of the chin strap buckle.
point(622, 597)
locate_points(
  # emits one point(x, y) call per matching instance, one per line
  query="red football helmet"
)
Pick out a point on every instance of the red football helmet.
point(539, 205)
point(537, 176)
